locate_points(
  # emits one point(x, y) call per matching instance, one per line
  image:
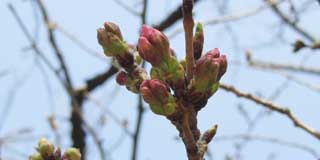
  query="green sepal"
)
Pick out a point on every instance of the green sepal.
point(166, 110)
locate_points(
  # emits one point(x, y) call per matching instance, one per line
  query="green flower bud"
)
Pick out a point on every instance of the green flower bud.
point(207, 73)
point(35, 156)
point(198, 41)
point(45, 148)
point(71, 154)
point(111, 43)
point(157, 95)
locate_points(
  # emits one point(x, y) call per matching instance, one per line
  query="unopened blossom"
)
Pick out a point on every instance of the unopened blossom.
point(156, 94)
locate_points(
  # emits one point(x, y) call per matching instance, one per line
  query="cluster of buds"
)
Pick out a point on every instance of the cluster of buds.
point(47, 151)
point(167, 83)
point(153, 46)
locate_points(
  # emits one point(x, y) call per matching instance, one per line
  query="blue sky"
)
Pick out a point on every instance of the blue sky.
point(39, 96)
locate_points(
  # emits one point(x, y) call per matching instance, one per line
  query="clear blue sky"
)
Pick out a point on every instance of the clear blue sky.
point(262, 33)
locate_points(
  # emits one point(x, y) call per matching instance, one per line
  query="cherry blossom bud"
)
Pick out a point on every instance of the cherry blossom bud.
point(45, 148)
point(207, 73)
point(113, 28)
point(157, 95)
point(153, 46)
point(133, 80)
point(198, 41)
point(111, 40)
point(122, 78)
point(71, 154)
point(35, 156)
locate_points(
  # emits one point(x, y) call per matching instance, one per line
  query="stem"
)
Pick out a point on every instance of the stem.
point(188, 24)
point(188, 139)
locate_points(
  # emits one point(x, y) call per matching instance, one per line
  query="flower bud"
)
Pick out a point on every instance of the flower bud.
point(45, 148)
point(198, 41)
point(207, 73)
point(113, 28)
point(35, 156)
point(157, 95)
point(71, 154)
point(298, 45)
point(110, 39)
point(153, 46)
point(122, 78)
point(133, 80)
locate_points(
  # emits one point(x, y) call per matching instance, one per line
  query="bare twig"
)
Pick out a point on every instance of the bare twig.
point(273, 107)
point(302, 147)
point(127, 8)
point(81, 44)
point(137, 129)
point(231, 17)
point(188, 23)
point(280, 66)
point(290, 22)
point(171, 19)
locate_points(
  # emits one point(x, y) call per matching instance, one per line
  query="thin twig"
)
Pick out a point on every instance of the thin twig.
point(127, 8)
point(137, 129)
point(280, 66)
point(230, 18)
point(78, 42)
point(290, 22)
point(302, 147)
point(273, 107)
point(140, 108)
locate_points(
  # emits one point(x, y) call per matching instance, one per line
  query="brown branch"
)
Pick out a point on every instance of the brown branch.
point(174, 17)
point(280, 66)
point(188, 139)
point(78, 132)
point(273, 140)
point(273, 107)
point(140, 108)
point(137, 129)
point(188, 23)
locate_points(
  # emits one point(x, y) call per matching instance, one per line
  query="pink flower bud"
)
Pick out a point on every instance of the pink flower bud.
point(133, 79)
point(207, 73)
point(157, 94)
point(153, 46)
point(121, 78)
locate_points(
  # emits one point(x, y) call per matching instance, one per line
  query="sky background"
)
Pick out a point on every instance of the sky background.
point(30, 92)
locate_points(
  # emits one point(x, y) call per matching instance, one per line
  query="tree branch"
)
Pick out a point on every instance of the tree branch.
point(188, 23)
point(273, 107)
point(289, 22)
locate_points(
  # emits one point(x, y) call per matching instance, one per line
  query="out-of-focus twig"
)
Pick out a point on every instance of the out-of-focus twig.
point(280, 66)
point(274, 107)
point(171, 19)
point(127, 8)
point(278, 141)
point(140, 108)
point(288, 21)
point(79, 43)
point(230, 18)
